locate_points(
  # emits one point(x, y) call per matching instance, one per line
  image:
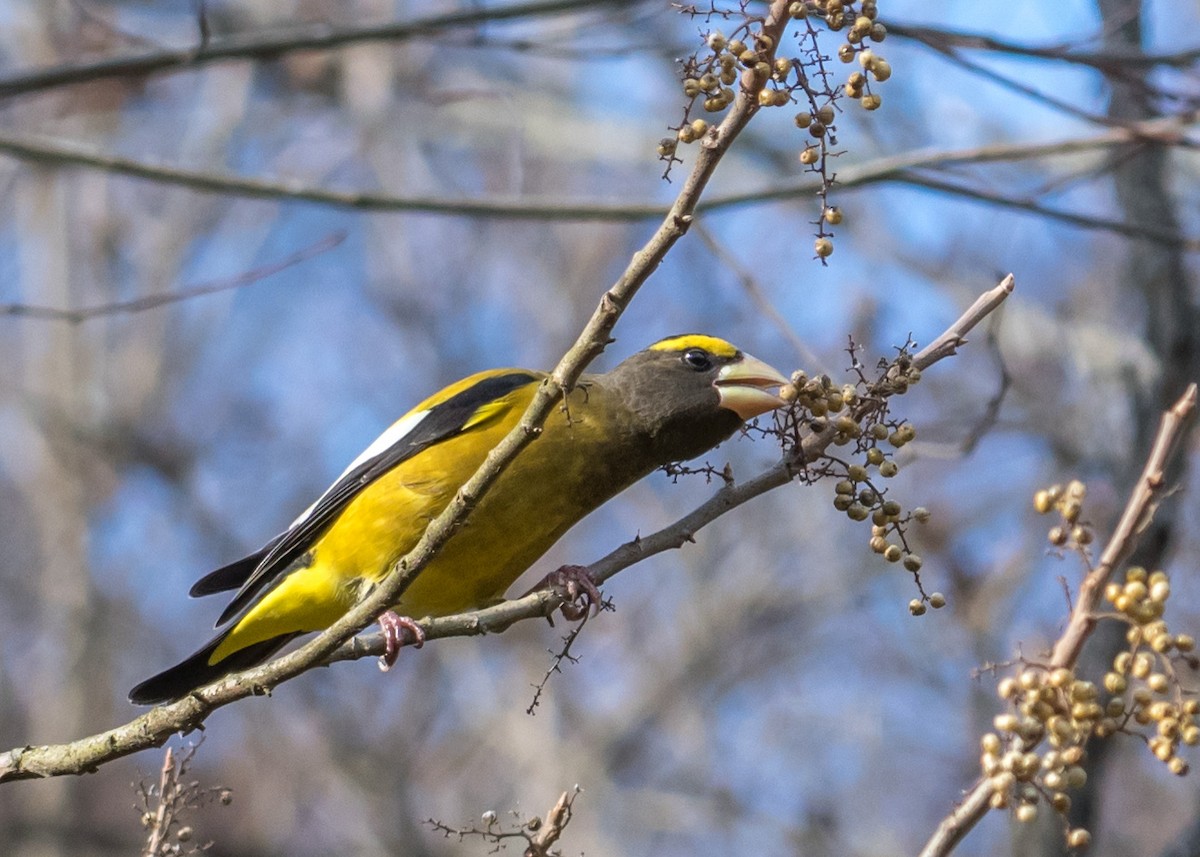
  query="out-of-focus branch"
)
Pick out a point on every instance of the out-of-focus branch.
point(538, 834)
point(1149, 491)
point(260, 46)
point(553, 827)
point(757, 294)
point(156, 726)
point(939, 39)
point(78, 316)
point(1167, 131)
point(1085, 221)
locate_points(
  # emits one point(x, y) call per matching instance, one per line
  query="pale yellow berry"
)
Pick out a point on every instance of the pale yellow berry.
point(1079, 838)
point(1005, 722)
point(1115, 683)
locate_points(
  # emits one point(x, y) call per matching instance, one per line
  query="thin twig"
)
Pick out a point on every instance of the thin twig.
point(956, 335)
point(751, 287)
point(157, 725)
point(939, 38)
point(78, 316)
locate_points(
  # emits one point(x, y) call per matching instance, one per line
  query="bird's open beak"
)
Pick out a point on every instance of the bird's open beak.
point(749, 387)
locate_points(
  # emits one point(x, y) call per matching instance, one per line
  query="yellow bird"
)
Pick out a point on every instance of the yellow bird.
point(671, 402)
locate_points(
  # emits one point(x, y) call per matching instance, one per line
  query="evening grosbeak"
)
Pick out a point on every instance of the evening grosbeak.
point(671, 402)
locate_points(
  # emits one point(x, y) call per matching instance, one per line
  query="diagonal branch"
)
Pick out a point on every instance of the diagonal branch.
point(157, 725)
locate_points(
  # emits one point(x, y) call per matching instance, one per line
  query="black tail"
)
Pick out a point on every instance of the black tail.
point(195, 671)
point(230, 576)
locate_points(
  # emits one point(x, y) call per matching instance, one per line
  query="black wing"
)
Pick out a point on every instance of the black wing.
point(444, 420)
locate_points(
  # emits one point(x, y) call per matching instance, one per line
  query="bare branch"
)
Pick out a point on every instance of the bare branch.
point(751, 287)
point(1166, 131)
point(156, 726)
point(1168, 237)
point(271, 45)
point(78, 316)
point(956, 334)
point(1149, 491)
point(940, 38)
point(552, 828)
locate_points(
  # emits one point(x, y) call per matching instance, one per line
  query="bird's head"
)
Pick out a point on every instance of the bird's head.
point(692, 391)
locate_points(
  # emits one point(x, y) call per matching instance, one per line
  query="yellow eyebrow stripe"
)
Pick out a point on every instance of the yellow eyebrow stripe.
point(711, 344)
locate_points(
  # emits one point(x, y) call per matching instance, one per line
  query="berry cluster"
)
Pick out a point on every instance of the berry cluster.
point(710, 79)
point(864, 29)
point(1143, 680)
point(1051, 706)
point(1068, 502)
point(857, 414)
point(1058, 712)
point(749, 58)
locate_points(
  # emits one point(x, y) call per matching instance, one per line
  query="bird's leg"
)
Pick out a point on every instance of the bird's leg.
point(394, 627)
point(575, 586)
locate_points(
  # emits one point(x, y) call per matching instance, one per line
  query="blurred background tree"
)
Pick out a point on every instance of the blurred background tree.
point(764, 690)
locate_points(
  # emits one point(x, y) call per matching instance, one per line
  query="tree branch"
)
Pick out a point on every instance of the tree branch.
point(157, 725)
point(1149, 491)
point(1166, 131)
point(78, 316)
point(940, 39)
point(258, 46)
point(1168, 237)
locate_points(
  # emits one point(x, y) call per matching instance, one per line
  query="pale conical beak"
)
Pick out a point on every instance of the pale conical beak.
point(749, 387)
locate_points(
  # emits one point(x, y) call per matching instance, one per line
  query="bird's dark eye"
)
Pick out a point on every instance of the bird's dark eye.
point(698, 359)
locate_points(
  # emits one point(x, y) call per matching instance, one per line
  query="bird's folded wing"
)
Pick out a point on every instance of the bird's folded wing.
point(458, 409)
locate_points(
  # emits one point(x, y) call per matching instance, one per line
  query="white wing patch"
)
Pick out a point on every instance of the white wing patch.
point(392, 436)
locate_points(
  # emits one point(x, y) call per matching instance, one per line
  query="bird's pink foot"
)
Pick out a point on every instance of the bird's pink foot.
point(396, 631)
point(575, 586)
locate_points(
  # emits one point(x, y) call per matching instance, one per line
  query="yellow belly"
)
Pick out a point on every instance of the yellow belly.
point(557, 480)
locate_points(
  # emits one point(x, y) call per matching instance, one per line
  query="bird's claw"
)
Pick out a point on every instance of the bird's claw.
point(578, 591)
point(396, 629)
